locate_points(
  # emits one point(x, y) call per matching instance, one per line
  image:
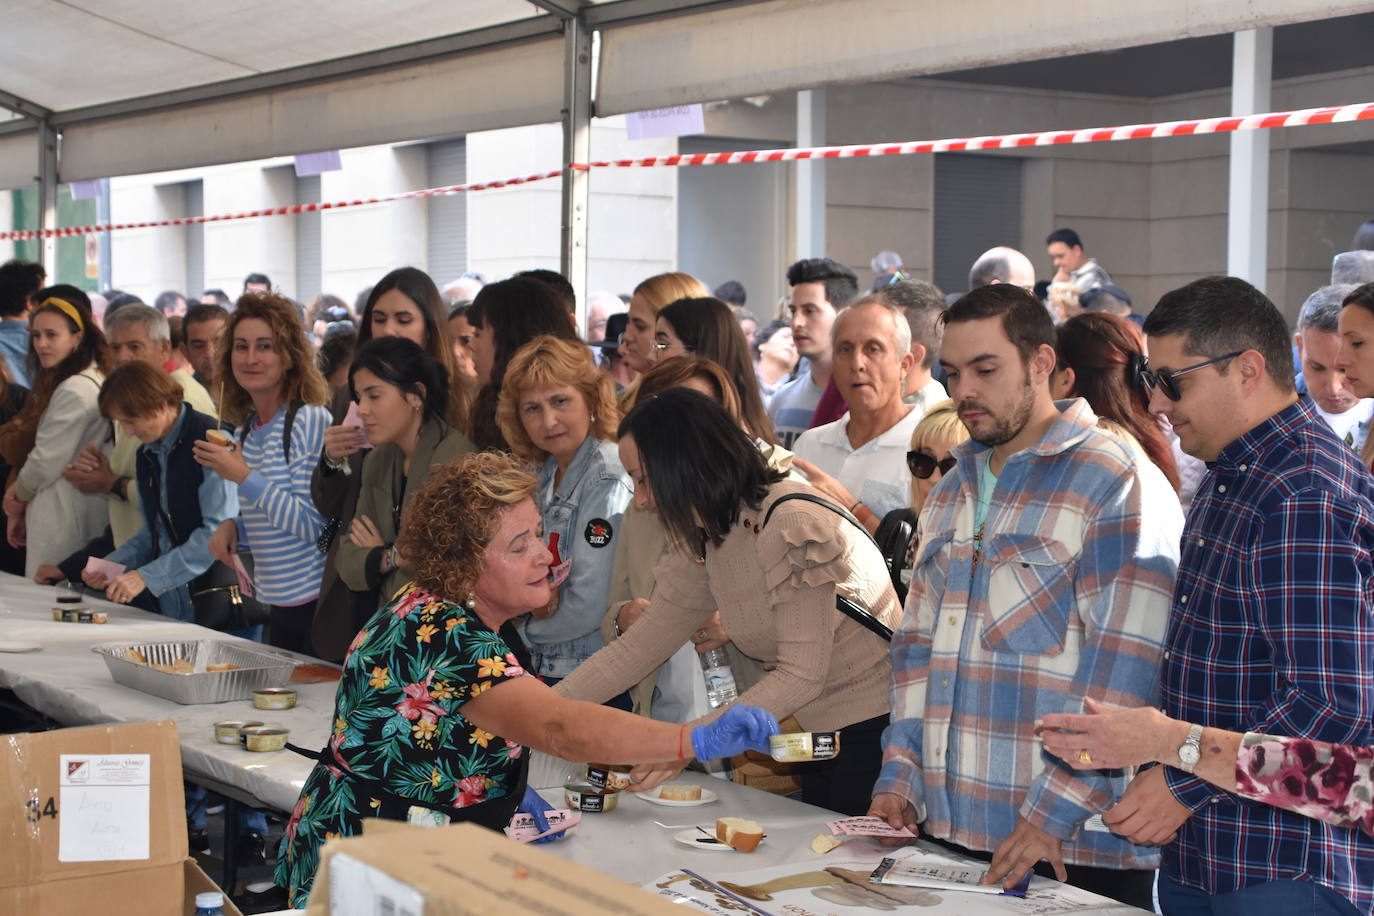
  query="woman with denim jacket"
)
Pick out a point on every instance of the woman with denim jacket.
point(556, 407)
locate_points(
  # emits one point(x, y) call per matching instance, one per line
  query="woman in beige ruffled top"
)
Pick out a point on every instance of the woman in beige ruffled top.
point(774, 586)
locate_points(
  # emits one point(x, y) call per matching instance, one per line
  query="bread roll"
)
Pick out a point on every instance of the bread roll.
point(680, 792)
point(739, 834)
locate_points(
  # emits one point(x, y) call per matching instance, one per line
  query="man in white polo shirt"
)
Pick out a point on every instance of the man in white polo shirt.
point(860, 459)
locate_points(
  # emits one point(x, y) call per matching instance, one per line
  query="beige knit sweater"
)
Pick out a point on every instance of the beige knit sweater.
point(775, 590)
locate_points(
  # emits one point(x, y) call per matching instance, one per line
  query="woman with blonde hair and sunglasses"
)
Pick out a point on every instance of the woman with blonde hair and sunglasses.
point(932, 443)
point(275, 395)
point(557, 410)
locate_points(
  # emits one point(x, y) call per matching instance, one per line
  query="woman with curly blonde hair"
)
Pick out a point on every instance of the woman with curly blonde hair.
point(556, 408)
point(270, 388)
point(435, 709)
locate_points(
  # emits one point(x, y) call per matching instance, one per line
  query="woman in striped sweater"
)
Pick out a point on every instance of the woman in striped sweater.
point(275, 395)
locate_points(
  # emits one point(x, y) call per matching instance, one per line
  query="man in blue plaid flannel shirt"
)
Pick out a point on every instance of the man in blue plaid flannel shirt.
point(1043, 575)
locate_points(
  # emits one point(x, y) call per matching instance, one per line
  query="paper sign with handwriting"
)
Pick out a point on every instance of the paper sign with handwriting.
point(104, 807)
point(866, 826)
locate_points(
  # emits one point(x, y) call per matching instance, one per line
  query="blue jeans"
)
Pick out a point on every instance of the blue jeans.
point(1282, 898)
point(251, 820)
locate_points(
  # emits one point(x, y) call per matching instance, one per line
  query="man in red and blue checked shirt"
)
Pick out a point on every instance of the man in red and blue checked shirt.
point(1043, 577)
point(1270, 628)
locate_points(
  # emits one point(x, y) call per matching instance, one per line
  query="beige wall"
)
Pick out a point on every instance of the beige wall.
point(1153, 212)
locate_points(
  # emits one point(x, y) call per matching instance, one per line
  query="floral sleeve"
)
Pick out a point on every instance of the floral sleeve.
point(1330, 782)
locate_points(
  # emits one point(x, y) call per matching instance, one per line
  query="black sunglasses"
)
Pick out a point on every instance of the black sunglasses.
point(1164, 380)
point(922, 465)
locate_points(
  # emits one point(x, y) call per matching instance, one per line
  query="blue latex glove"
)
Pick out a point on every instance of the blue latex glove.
point(535, 806)
point(741, 729)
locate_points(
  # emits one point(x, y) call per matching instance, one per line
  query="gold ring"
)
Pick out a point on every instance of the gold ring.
point(1084, 756)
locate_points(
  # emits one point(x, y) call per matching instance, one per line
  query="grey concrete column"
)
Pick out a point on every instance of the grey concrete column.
point(809, 176)
point(1247, 235)
point(577, 147)
point(47, 196)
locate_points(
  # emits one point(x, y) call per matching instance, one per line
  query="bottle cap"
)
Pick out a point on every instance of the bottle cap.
point(209, 900)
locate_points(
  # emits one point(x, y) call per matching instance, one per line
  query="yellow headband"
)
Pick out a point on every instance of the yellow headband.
point(66, 308)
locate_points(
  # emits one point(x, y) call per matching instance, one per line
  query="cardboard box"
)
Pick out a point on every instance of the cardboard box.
point(463, 870)
point(198, 882)
point(130, 873)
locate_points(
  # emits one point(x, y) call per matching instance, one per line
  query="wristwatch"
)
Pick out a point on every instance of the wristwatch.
point(1190, 751)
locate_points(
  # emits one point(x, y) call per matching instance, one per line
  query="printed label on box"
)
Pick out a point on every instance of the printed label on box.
point(358, 889)
point(104, 807)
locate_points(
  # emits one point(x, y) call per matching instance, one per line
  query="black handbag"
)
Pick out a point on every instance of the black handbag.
point(844, 605)
point(893, 537)
point(218, 603)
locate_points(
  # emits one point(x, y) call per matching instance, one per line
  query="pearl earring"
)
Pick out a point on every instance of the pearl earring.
point(471, 601)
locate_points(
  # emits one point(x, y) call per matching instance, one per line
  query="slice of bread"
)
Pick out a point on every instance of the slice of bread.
point(680, 792)
point(824, 842)
point(739, 834)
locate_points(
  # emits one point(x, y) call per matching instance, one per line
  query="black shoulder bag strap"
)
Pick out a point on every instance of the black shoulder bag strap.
point(286, 428)
point(845, 606)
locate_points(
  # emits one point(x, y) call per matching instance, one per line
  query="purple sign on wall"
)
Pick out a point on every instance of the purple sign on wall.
point(678, 121)
point(315, 163)
point(86, 190)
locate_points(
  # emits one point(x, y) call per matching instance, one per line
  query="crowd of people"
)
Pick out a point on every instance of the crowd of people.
point(1013, 543)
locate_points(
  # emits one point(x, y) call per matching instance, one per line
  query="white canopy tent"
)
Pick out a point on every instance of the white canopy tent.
point(144, 85)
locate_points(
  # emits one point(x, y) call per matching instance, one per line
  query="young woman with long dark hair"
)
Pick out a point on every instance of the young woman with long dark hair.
point(68, 360)
point(504, 317)
point(406, 304)
point(1099, 348)
point(707, 328)
point(402, 395)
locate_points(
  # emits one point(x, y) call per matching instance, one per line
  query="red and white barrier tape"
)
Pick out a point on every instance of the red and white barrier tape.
point(1328, 115)
point(26, 234)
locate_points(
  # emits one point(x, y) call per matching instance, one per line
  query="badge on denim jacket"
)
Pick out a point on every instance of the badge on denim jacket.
point(598, 532)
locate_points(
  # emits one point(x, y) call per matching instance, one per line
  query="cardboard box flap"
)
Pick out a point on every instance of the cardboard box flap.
point(99, 828)
point(460, 870)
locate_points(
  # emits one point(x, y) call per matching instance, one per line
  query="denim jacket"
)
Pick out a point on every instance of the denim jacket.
point(585, 513)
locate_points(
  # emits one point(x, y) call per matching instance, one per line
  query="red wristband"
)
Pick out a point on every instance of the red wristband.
point(681, 743)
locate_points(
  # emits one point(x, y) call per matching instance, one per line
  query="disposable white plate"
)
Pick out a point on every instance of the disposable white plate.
point(690, 837)
point(707, 796)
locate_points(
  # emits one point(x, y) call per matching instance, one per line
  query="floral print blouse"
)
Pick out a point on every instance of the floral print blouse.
point(1330, 782)
point(399, 731)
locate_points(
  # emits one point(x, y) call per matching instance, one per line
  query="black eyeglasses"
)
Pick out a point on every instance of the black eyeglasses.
point(922, 465)
point(1164, 381)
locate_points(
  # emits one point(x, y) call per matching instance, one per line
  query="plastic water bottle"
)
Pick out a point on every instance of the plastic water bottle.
point(720, 680)
point(210, 903)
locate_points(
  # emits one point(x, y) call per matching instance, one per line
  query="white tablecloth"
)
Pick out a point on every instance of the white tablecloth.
point(70, 683)
point(627, 844)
